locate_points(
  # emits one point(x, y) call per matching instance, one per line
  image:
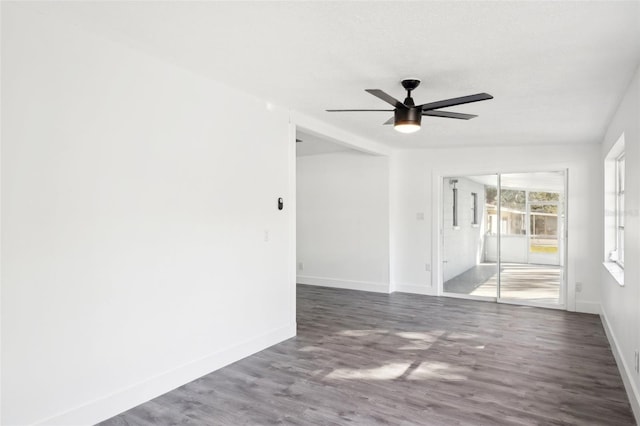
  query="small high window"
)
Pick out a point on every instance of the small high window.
point(614, 183)
point(474, 208)
point(619, 251)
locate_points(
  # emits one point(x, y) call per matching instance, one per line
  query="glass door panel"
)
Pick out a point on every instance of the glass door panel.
point(531, 246)
point(470, 236)
point(544, 241)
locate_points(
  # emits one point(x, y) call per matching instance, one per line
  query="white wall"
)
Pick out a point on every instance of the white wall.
point(463, 246)
point(416, 187)
point(621, 305)
point(343, 221)
point(135, 202)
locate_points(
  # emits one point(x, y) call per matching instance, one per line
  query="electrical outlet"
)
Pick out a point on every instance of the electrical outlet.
point(420, 216)
point(578, 287)
point(427, 267)
point(637, 362)
point(300, 266)
point(266, 236)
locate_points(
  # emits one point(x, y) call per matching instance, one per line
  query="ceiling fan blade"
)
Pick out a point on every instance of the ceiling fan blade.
point(448, 114)
point(455, 101)
point(357, 110)
point(386, 97)
point(389, 121)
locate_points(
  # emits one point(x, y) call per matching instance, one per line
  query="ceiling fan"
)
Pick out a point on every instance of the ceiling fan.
point(407, 115)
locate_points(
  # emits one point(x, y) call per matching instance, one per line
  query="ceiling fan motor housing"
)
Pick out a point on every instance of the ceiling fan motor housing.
point(407, 116)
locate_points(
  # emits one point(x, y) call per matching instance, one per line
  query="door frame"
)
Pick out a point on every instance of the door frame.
point(567, 298)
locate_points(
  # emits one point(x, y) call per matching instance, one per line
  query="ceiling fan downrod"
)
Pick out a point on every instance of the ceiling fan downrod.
point(409, 85)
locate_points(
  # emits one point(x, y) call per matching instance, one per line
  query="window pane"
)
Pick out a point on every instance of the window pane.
point(491, 200)
point(551, 209)
point(474, 208)
point(513, 199)
point(544, 220)
point(490, 195)
point(544, 196)
point(621, 174)
point(620, 165)
point(512, 222)
point(512, 212)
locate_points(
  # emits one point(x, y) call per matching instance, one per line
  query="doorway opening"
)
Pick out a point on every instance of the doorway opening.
point(342, 215)
point(503, 237)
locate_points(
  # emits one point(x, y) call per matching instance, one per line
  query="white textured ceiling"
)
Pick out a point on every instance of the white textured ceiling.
point(557, 69)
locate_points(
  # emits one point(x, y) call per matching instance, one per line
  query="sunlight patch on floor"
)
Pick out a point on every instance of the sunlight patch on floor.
point(461, 336)
point(385, 372)
point(362, 333)
point(416, 345)
point(429, 370)
point(424, 337)
point(425, 370)
point(313, 349)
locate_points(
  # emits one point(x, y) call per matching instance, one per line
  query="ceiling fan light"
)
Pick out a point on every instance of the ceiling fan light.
point(407, 127)
point(407, 120)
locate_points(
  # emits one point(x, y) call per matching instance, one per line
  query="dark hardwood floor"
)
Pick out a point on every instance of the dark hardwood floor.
point(366, 358)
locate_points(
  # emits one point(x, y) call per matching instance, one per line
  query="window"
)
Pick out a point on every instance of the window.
point(513, 211)
point(619, 251)
point(474, 208)
point(453, 182)
point(614, 183)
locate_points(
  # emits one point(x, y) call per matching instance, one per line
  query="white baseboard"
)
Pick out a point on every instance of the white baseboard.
point(588, 307)
point(101, 409)
point(416, 289)
point(625, 371)
point(345, 284)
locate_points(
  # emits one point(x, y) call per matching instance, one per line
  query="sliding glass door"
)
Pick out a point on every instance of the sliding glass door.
point(503, 237)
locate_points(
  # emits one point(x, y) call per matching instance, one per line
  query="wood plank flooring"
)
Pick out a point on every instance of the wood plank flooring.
point(367, 358)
